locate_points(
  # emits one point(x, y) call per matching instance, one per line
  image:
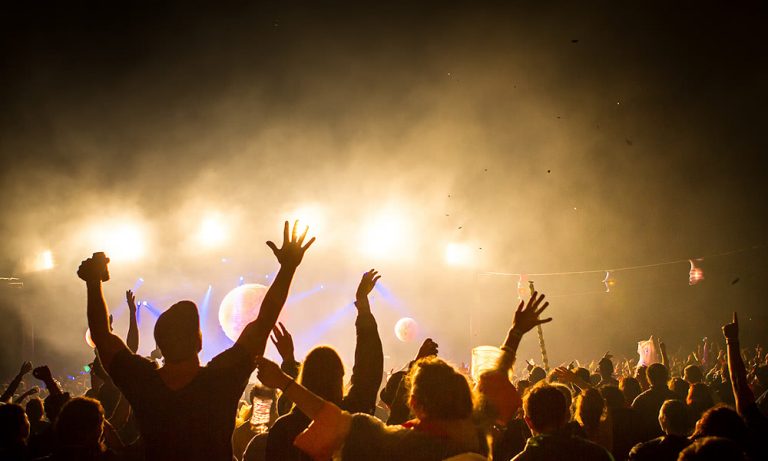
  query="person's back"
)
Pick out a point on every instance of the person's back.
point(547, 413)
point(649, 402)
point(563, 447)
point(673, 419)
point(192, 422)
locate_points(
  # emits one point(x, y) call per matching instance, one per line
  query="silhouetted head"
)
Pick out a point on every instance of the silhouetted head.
point(642, 376)
point(14, 426)
point(546, 409)
point(566, 391)
point(387, 394)
point(606, 367)
point(536, 375)
point(679, 387)
point(323, 373)
point(712, 449)
point(613, 397)
point(438, 391)
point(589, 409)
point(721, 421)
point(657, 375)
point(673, 418)
point(693, 374)
point(630, 387)
point(583, 374)
point(762, 375)
point(177, 332)
point(35, 410)
point(700, 395)
point(80, 424)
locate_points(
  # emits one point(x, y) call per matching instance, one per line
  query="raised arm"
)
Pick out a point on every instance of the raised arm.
point(132, 340)
point(741, 391)
point(255, 334)
point(526, 318)
point(26, 367)
point(369, 356)
point(93, 271)
point(272, 376)
point(43, 373)
point(283, 341)
point(399, 411)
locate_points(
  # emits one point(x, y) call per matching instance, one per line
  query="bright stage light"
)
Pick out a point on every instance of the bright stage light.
point(121, 241)
point(458, 254)
point(308, 215)
point(212, 232)
point(385, 236)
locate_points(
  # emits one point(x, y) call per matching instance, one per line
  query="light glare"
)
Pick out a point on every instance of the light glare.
point(384, 236)
point(212, 232)
point(458, 254)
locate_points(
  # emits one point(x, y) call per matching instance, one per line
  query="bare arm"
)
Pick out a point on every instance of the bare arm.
point(93, 270)
point(132, 340)
point(741, 391)
point(369, 355)
point(271, 376)
point(255, 334)
point(26, 367)
point(526, 318)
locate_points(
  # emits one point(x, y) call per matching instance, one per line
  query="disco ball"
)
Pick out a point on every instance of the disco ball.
point(240, 307)
point(406, 329)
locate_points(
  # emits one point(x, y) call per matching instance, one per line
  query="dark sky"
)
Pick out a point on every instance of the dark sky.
point(555, 136)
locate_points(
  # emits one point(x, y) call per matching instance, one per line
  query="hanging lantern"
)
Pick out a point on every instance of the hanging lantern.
point(523, 291)
point(695, 275)
point(608, 281)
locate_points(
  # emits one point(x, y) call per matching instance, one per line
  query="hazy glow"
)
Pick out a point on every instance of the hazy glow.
point(121, 241)
point(384, 236)
point(308, 215)
point(212, 232)
point(458, 254)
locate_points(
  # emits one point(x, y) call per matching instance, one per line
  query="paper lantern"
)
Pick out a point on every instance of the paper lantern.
point(695, 275)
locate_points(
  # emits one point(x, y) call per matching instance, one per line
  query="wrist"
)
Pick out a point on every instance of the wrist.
point(287, 383)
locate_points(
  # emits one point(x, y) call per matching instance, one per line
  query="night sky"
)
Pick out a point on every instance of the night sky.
point(546, 137)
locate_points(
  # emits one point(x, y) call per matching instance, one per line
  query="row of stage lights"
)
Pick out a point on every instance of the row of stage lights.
point(383, 236)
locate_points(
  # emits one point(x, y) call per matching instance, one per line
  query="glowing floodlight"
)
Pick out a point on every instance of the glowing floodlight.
point(308, 215)
point(212, 232)
point(42, 261)
point(695, 275)
point(240, 307)
point(406, 329)
point(384, 235)
point(121, 241)
point(458, 254)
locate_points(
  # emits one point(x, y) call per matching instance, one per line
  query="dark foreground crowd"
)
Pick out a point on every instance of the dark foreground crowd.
point(169, 407)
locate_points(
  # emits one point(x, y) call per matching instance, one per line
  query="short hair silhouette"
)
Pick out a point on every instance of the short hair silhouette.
point(177, 332)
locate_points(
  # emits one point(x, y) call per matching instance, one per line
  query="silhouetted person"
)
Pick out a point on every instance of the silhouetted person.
point(649, 402)
point(713, 449)
point(699, 400)
point(14, 431)
point(80, 431)
point(606, 372)
point(186, 411)
point(673, 419)
point(41, 431)
point(546, 413)
point(323, 373)
point(627, 426)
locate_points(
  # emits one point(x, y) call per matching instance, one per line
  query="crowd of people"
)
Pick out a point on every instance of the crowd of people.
point(170, 407)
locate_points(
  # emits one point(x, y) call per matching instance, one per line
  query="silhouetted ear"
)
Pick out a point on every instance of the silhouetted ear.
point(199, 345)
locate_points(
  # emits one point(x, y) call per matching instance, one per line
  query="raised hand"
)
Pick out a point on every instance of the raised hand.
point(292, 251)
point(26, 367)
point(367, 283)
point(42, 373)
point(131, 300)
point(428, 348)
point(283, 341)
point(731, 330)
point(94, 269)
point(527, 315)
point(270, 374)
